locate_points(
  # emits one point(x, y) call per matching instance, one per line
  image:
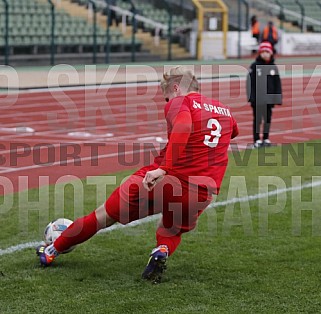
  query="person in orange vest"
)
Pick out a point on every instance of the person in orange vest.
point(270, 34)
point(255, 27)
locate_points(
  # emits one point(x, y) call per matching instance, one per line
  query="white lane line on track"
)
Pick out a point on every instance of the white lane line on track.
point(65, 138)
point(74, 106)
point(82, 159)
point(22, 246)
point(69, 141)
point(296, 105)
point(141, 123)
point(75, 99)
point(111, 155)
point(296, 138)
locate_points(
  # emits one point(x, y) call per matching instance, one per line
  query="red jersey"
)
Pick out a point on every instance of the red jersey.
point(199, 157)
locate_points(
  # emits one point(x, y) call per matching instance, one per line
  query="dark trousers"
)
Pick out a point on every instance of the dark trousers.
point(113, 17)
point(261, 112)
point(257, 37)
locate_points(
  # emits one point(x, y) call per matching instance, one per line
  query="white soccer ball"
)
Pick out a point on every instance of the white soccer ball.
point(54, 230)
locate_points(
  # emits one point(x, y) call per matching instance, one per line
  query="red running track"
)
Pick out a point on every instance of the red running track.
point(93, 131)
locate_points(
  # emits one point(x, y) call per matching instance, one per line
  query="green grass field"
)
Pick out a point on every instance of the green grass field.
point(258, 256)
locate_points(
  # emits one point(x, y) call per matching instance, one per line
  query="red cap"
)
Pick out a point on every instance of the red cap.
point(266, 46)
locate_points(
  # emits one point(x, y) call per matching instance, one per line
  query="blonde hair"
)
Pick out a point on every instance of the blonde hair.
point(181, 76)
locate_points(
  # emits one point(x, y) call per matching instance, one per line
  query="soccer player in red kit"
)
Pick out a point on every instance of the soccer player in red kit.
point(180, 182)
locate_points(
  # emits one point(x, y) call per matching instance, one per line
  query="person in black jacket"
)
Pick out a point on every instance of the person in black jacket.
point(264, 90)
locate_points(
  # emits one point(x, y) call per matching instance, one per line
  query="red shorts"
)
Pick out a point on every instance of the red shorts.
point(180, 202)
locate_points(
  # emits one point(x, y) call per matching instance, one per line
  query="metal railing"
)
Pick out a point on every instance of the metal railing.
point(6, 33)
point(169, 33)
point(94, 8)
point(135, 17)
point(53, 42)
point(138, 17)
point(134, 28)
point(297, 16)
point(247, 13)
point(281, 15)
point(302, 14)
point(107, 31)
point(236, 8)
point(239, 10)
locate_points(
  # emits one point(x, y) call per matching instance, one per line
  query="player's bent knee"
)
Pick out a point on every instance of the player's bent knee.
point(103, 219)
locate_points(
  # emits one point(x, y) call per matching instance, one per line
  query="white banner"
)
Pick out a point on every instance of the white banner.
point(300, 44)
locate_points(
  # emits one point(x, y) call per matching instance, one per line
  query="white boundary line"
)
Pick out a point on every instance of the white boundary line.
point(111, 155)
point(226, 77)
point(59, 135)
point(80, 101)
point(28, 245)
point(104, 86)
point(234, 103)
point(62, 135)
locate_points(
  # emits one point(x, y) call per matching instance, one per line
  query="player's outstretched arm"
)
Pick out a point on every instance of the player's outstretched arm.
point(182, 126)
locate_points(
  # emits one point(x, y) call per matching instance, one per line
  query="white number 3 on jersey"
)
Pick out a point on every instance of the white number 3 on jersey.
point(212, 140)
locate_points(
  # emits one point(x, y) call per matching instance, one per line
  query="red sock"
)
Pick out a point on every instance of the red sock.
point(81, 230)
point(165, 238)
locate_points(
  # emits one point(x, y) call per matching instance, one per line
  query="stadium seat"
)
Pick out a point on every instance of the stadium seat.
point(30, 24)
point(311, 9)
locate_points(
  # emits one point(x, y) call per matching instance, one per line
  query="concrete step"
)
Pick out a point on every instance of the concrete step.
point(76, 59)
point(148, 41)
